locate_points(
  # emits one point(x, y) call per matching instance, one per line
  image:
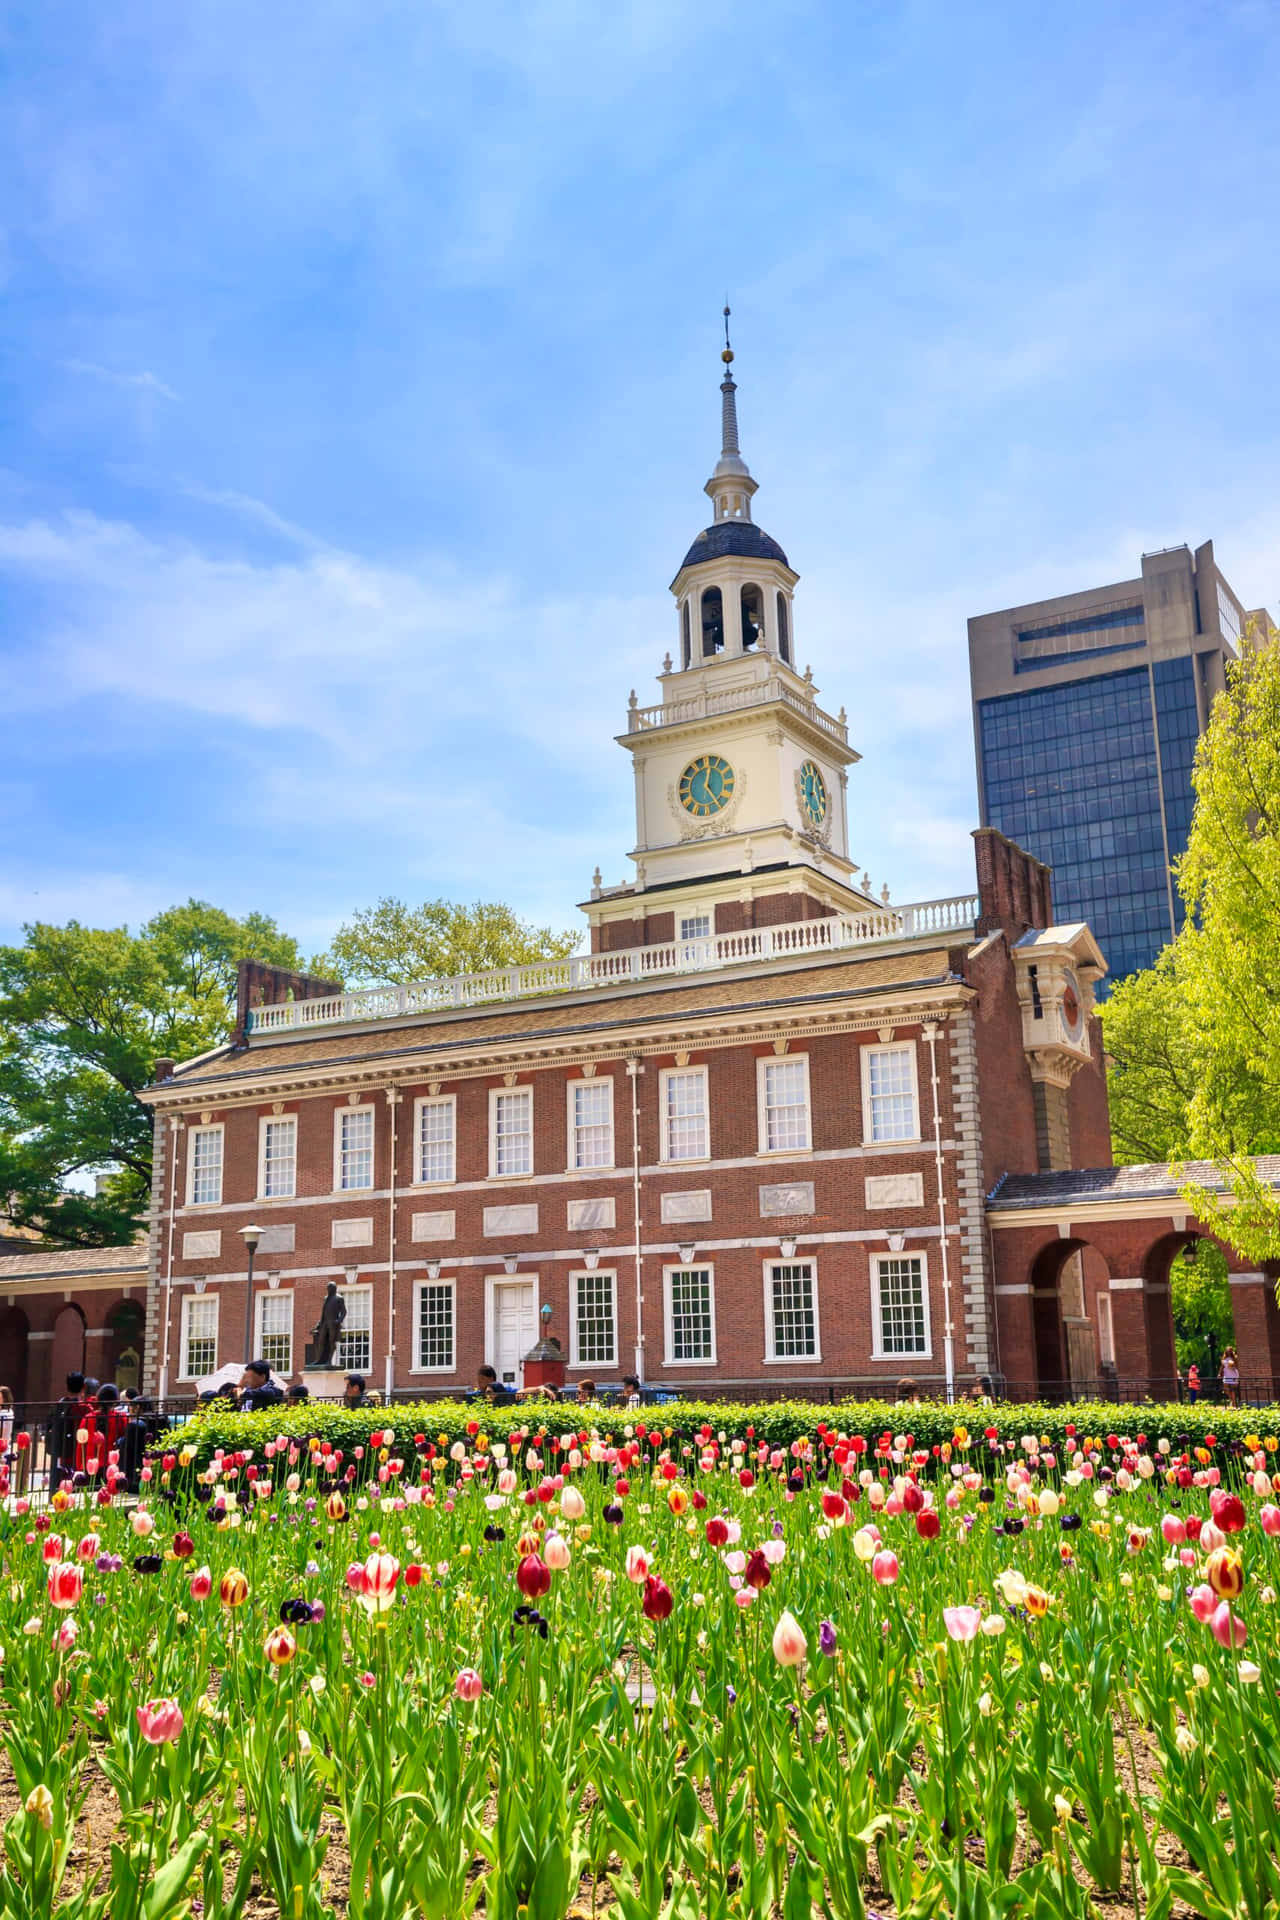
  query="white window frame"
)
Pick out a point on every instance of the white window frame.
point(1106, 1330)
point(575, 1354)
point(668, 1273)
point(449, 1100)
point(420, 1287)
point(340, 1114)
point(869, 1137)
point(771, 1354)
point(571, 1150)
point(763, 1066)
point(194, 1134)
point(261, 1297)
point(276, 1120)
point(878, 1350)
point(505, 1093)
point(683, 920)
point(365, 1289)
point(664, 1143)
point(184, 1332)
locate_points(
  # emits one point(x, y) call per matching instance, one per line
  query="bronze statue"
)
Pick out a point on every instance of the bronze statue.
point(328, 1331)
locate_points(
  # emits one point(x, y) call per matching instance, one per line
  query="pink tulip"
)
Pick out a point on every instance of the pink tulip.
point(637, 1565)
point(201, 1584)
point(884, 1568)
point(65, 1635)
point(66, 1584)
point(1173, 1529)
point(789, 1643)
point(962, 1623)
point(1203, 1602)
point(143, 1523)
point(1270, 1518)
point(746, 1597)
point(356, 1577)
point(556, 1553)
point(468, 1686)
point(1211, 1537)
point(160, 1720)
point(381, 1572)
point(1227, 1628)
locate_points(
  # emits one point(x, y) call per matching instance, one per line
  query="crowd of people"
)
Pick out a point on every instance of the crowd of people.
point(258, 1387)
point(496, 1393)
point(91, 1420)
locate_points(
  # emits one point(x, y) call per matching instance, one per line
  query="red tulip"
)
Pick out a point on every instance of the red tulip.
point(758, 1572)
point(834, 1505)
point(160, 1720)
point(533, 1576)
point(718, 1532)
point(183, 1546)
point(928, 1525)
point(66, 1584)
point(658, 1599)
point(201, 1584)
point(912, 1498)
point(87, 1547)
point(1228, 1511)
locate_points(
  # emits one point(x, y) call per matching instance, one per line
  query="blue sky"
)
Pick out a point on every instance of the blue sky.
point(358, 385)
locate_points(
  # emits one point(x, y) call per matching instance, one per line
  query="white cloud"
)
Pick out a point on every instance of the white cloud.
point(144, 382)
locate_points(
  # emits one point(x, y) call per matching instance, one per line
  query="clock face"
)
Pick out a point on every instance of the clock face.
point(706, 785)
point(1071, 1006)
point(813, 793)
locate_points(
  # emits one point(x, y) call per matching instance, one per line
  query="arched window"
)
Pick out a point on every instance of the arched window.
point(784, 635)
point(712, 623)
point(752, 619)
point(684, 634)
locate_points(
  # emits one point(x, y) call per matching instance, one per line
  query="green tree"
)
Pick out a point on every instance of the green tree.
point(1152, 1069)
point(393, 944)
point(1200, 1297)
point(84, 1014)
point(1230, 881)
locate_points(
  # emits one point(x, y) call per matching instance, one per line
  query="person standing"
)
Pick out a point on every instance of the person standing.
point(60, 1430)
point(1193, 1383)
point(1230, 1377)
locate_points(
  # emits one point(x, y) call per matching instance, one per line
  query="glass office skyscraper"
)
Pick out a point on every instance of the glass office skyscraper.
point(1087, 710)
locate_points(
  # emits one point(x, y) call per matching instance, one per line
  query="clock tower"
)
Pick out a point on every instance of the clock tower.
point(740, 774)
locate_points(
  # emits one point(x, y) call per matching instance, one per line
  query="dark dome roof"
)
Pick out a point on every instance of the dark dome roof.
point(727, 537)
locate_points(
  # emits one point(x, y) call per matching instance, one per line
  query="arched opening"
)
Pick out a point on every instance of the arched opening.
point(712, 623)
point(684, 634)
point(67, 1354)
point(752, 619)
point(1157, 1311)
point(14, 1348)
point(125, 1324)
point(784, 631)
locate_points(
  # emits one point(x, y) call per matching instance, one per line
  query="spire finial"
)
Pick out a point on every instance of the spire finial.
point(731, 485)
point(727, 355)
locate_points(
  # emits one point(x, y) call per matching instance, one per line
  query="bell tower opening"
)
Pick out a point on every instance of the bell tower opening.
point(712, 623)
point(752, 619)
point(684, 634)
point(784, 631)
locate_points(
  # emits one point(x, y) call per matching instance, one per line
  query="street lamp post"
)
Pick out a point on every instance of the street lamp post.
point(251, 1236)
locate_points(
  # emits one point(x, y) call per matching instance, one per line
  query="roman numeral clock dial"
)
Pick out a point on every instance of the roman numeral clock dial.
point(706, 785)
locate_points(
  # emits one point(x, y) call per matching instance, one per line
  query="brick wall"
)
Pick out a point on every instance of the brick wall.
point(835, 1227)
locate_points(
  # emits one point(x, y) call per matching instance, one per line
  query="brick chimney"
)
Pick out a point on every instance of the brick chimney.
point(1015, 889)
point(258, 985)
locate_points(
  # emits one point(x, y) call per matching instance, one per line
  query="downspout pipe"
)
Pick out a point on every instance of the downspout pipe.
point(930, 1033)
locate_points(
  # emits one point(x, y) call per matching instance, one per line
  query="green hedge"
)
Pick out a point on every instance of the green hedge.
point(776, 1422)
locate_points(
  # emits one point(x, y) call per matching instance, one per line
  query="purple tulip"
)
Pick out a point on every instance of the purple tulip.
point(827, 1640)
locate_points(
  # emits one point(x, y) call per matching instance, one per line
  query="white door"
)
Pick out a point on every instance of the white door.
point(515, 1328)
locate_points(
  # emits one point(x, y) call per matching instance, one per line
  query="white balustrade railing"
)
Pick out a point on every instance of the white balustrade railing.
point(833, 934)
point(703, 706)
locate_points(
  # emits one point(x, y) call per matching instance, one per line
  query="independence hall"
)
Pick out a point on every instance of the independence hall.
point(773, 1133)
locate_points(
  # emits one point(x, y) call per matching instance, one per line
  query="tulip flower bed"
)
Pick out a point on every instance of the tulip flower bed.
point(603, 1671)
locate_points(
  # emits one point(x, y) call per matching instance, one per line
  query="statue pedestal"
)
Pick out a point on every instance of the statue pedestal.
point(324, 1383)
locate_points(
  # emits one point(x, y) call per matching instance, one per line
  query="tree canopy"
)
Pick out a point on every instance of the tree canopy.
point(393, 944)
point(84, 1014)
point(1195, 1040)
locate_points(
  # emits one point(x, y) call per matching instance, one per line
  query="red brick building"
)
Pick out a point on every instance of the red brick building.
point(770, 1133)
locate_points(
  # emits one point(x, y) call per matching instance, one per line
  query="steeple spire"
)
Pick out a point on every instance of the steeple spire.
point(731, 485)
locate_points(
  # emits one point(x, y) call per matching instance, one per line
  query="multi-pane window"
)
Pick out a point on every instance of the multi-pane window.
point(436, 1144)
point(695, 926)
point(355, 1147)
point(784, 1100)
point(355, 1349)
point(594, 1335)
point(793, 1311)
point(279, 1158)
point(199, 1342)
point(512, 1144)
point(684, 1114)
point(275, 1331)
point(435, 1326)
point(591, 1123)
point(206, 1167)
point(690, 1314)
point(901, 1306)
point(890, 1093)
